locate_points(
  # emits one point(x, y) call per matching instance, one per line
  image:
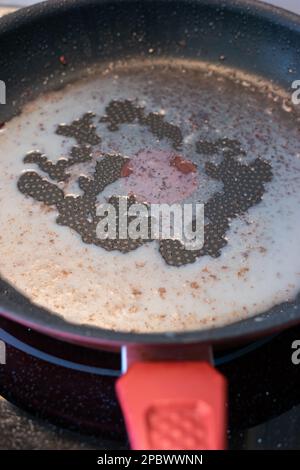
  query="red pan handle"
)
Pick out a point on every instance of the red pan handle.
point(174, 406)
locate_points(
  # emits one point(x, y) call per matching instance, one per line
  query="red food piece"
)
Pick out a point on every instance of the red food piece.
point(185, 166)
point(154, 180)
point(63, 60)
point(126, 170)
point(2, 124)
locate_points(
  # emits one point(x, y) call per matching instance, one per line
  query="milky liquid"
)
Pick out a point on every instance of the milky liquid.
point(138, 291)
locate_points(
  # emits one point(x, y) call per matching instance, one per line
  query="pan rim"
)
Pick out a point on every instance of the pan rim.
point(253, 327)
point(264, 323)
point(265, 10)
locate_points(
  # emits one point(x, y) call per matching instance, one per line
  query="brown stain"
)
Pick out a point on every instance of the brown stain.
point(162, 292)
point(133, 309)
point(195, 285)
point(65, 273)
point(46, 209)
point(242, 272)
point(136, 292)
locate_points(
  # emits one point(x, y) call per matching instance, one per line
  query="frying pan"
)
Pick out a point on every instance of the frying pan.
point(171, 396)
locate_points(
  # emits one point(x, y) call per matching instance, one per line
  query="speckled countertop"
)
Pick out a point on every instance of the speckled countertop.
point(18, 430)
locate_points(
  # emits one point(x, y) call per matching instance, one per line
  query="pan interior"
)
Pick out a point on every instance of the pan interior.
point(126, 131)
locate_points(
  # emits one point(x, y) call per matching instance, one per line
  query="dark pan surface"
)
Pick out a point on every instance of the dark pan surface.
point(257, 39)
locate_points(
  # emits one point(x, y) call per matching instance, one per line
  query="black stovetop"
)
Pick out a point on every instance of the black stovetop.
point(60, 396)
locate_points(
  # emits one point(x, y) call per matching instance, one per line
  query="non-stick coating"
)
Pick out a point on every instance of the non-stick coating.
point(255, 38)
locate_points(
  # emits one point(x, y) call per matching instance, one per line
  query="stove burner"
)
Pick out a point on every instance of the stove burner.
point(73, 387)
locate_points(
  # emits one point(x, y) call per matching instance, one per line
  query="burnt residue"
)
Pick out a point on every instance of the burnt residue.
point(82, 130)
point(126, 112)
point(243, 184)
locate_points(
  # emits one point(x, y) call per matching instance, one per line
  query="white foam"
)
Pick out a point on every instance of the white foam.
point(138, 291)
